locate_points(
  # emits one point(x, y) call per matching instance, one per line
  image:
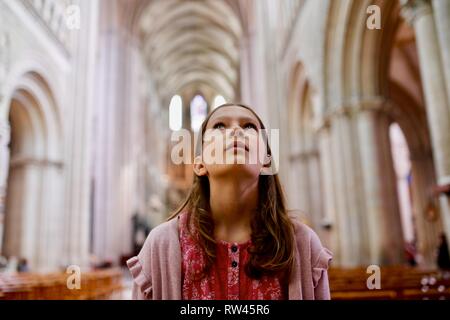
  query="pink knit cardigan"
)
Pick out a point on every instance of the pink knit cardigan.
point(156, 270)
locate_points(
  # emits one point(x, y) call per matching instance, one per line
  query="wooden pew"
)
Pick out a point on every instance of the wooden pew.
point(397, 282)
point(95, 285)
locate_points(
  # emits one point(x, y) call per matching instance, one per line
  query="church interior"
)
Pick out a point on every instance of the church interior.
point(92, 90)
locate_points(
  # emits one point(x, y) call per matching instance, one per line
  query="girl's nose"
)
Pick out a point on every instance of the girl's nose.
point(236, 131)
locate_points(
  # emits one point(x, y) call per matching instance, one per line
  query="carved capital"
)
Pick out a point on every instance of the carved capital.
point(356, 105)
point(379, 105)
point(413, 9)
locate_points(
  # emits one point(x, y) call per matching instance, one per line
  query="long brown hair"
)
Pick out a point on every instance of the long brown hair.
point(272, 236)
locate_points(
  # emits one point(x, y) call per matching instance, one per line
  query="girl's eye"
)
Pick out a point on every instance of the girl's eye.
point(250, 126)
point(219, 125)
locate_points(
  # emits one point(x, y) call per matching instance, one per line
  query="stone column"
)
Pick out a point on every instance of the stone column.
point(245, 70)
point(379, 188)
point(267, 97)
point(24, 203)
point(312, 164)
point(349, 224)
point(256, 60)
point(33, 224)
point(4, 168)
point(4, 129)
point(328, 197)
point(304, 178)
point(427, 228)
point(108, 140)
point(51, 220)
point(298, 189)
point(113, 166)
point(419, 13)
point(442, 13)
point(78, 121)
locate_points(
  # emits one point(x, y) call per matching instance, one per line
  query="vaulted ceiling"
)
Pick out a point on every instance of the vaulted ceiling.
point(192, 45)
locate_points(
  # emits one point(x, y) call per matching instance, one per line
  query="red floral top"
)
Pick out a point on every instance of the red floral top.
point(227, 279)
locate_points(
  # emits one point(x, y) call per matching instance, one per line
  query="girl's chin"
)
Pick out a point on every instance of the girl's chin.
point(241, 169)
point(239, 159)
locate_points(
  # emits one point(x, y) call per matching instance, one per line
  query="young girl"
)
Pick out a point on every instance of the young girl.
point(232, 238)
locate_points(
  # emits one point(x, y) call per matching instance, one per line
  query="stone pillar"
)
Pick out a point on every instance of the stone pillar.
point(113, 166)
point(328, 221)
point(78, 121)
point(427, 227)
point(23, 203)
point(4, 128)
point(4, 168)
point(298, 191)
point(314, 188)
point(51, 220)
point(257, 61)
point(379, 188)
point(442, 13)
point(353, 243)
point(361, 196)
point(419, 13)
point(106, 169)
point(245, 70)
point(304, 178)
point(33, 224)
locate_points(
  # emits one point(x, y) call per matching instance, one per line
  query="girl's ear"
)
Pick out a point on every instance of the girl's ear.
point(267, 165)
point(199, 167)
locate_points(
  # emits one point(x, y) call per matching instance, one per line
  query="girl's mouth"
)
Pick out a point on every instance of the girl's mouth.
point(236, 145)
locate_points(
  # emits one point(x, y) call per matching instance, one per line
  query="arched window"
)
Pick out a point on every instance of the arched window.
point(199, 110)
point(218, 101)
point(176, 113)
point(403, 169)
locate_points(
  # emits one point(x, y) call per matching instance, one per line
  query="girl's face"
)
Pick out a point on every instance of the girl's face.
point(234, 143)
